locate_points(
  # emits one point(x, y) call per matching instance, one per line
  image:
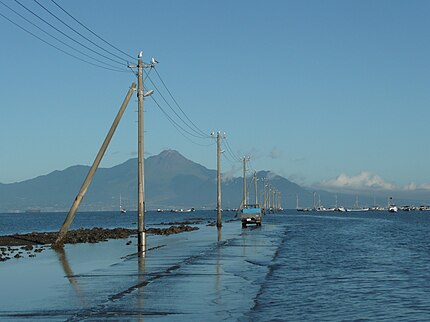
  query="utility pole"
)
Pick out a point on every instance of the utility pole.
point(273, 199)
point(255, 187)
point(218, 204)
point(264, 196)
point(269, 193)
point(141, 239)
point(71, 214)
point(279, 201)
point(244, 181)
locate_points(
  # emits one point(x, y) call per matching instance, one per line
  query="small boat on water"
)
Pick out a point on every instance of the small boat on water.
point(121, 209)
point(391, 206)
point(183, 210)
point(357, 207)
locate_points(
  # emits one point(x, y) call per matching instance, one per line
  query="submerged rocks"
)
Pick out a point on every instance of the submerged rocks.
point(27, 242)
point(171, 230)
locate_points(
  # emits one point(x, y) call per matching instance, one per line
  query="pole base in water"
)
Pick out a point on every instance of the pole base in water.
point(141, 241)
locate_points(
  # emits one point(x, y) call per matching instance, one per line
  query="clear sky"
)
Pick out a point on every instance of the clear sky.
point(322, 92)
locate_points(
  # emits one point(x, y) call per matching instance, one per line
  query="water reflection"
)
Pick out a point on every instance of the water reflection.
point(141, 281)
point(68, 272)
point(141, 284)
point(218, 269)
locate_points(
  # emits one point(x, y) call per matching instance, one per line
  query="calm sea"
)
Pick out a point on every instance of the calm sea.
point(371, 266)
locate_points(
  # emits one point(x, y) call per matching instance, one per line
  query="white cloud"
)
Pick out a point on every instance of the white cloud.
point(366, 181)
point(363, 181)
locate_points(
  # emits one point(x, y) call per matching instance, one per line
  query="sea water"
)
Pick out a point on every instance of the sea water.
point(296, 267)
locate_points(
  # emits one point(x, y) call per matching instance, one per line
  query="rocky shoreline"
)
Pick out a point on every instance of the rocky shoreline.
point(17, 245)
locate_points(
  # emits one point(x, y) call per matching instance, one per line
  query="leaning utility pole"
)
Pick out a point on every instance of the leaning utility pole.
point(68, 221)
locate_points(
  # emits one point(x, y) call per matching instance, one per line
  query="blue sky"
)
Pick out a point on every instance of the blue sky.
point(326, 93)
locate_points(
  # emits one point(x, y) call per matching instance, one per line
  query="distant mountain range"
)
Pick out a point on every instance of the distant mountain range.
point(171, 182)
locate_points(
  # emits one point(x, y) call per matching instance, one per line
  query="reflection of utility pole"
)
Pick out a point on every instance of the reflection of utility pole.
point(69, 219)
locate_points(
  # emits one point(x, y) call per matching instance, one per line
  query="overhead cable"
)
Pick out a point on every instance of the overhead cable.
point(197, 134)
point(59, 49)
point(114, 68)
point(88, 29)
point(69, 37)
point(177, 104)
point(178, 127)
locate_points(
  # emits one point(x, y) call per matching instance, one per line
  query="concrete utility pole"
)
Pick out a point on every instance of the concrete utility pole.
point(279, 201)
point(255, 187)
point(264, 195)
point(218, 203)
point(273, 199)
point(244, 181)
point(69, 219)
point(141, 239)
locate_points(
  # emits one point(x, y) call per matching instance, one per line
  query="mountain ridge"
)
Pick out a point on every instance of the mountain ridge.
point(171, 181)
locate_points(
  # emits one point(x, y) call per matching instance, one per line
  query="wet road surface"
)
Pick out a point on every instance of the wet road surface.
point(205, 275)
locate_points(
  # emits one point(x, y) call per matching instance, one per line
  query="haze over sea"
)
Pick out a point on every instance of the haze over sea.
point(296, 267)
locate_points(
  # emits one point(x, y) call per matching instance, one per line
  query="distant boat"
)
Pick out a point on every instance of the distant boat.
point(391, 206)
point(183, 210)
point(357, 208)
point(121, 209)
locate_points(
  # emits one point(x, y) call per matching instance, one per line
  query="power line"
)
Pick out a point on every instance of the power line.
point(177, 126)
point(230, 150)
point(197, 134)
point(105, 41)
point(69, 37)
point(177, 104)
point(77, 32)
point(59, 49)
point(59, 40)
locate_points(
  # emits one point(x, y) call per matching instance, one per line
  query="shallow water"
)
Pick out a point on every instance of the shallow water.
point(296, 267)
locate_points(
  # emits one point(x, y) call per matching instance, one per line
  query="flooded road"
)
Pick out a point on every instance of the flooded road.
point(296, 267)
point(206, 275)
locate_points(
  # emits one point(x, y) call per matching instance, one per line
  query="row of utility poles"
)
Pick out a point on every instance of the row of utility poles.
point(272, 197)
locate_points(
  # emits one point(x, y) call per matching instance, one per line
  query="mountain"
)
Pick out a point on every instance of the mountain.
point(171, 181)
